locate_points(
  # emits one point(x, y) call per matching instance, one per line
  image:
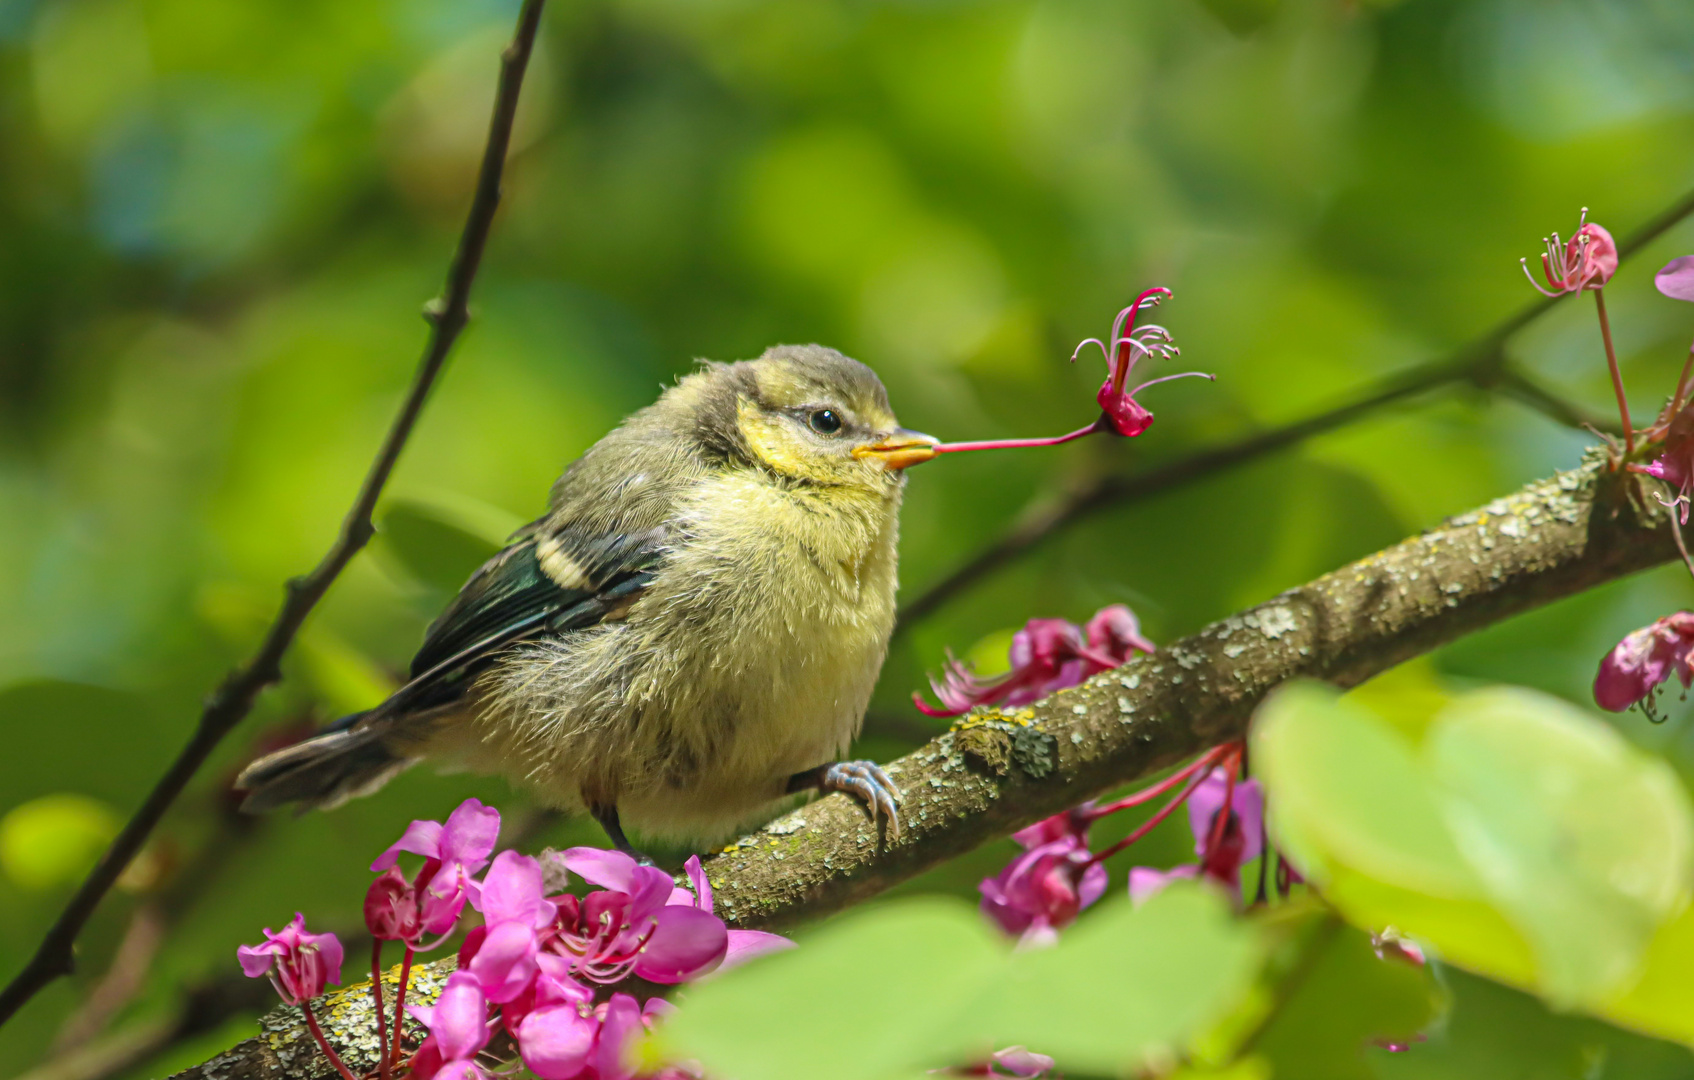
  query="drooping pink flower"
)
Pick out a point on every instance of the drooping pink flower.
point(298, 963)
point(1675, 466)
point(453, 853)
point(1046, 655)
point(1128, 345)
point(1043, 890)
point(458, 1030)
point(1587, 261)
point(1222, 847)
point(1632, 672)
point(391, 908)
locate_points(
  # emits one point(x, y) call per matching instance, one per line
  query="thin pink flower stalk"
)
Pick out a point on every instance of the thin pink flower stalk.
point(1584, 264)
point(1045, 656)
point(1120, 413)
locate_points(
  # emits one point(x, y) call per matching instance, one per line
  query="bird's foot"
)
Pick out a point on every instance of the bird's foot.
point(607, 816)
point(863, 779)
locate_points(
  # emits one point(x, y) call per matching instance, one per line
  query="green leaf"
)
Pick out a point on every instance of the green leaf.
point(1580, 849)
point(1585, 844)
point(1348, 789)
point(876, 993)
point(55, 840)
point(1126, 985)
point(917, 984)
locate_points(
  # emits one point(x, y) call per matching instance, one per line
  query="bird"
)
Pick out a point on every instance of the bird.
point(686, 638)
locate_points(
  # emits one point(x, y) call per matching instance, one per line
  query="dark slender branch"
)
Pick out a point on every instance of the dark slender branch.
point(235, 697)
point(1515, 384)
point(1000, 770)
point(1482, 362)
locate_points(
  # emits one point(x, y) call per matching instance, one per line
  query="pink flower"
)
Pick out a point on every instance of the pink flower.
point(1128, 345)
point(1675, 466)
point(298, 963)
point(1046, 655)
point(630, 925)
point(453, 853)
point(1223, 847)
point(1043, 890)
point(1587, 261)
point(458, 1030)
point(1632, 671)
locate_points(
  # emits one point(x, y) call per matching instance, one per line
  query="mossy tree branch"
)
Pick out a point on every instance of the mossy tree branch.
point(998, 771)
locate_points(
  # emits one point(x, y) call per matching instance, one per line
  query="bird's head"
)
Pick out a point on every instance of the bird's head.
point(814, 415)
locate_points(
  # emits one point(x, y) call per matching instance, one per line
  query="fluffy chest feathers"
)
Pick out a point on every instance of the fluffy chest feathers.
point(796, 585)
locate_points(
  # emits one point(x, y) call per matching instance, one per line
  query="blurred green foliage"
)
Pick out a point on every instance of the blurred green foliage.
point(218, 221)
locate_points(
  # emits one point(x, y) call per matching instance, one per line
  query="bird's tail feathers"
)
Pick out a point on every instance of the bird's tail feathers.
point(344, 761)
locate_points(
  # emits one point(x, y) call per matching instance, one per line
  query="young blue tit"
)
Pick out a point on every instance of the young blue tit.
point(689, 634)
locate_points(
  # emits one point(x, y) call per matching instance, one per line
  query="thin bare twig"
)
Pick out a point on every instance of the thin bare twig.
point(1482, 362)
point(234, 699)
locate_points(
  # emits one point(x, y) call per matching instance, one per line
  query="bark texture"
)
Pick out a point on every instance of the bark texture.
point(999, 770)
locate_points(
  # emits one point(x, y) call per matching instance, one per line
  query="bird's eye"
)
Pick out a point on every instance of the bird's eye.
point(824, 422)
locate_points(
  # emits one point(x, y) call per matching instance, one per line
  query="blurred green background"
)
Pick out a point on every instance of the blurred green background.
point(218, 223)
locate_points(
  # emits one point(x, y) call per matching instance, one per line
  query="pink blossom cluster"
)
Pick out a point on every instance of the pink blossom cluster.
point(1045, 656)
point(542, 967)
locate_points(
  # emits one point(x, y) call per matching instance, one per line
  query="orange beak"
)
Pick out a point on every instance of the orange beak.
point(900, 450)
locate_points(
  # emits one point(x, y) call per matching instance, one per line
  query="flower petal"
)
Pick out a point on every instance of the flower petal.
point(702, 887)
point(1676, 280)
point(744, 945)
point(505, 964)
point(459, 1020)
point(421, 838)
point(1144, 881)
point(621, 1024)
point(686, 942)
point(470, 835)
point(555, 1043)
point(256, 960)
point(598, 866)
point(511, 892)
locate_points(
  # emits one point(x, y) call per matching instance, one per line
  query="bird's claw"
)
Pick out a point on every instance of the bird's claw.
point(867, 781)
